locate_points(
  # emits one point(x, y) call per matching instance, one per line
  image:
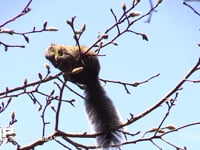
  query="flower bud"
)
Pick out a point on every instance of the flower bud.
point(78, 31)
point(83, 27)
point(159, 1)
point(69, 22)
point(53, 108)
point(40, 76)
point(39, 107)
point(137, 1)
point(25, 81)
point(7, 31)
point(171, 127)
point(52, 29)
point(145, 37)
point(134, 14)
point(12, 115)
point(77, 70)
point(47, 66)
point(105, 36)
point(123, 6)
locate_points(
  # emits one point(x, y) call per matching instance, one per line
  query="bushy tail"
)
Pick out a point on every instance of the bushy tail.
point(103, 116)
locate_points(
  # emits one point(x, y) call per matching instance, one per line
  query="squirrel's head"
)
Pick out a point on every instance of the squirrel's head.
point(79, 65)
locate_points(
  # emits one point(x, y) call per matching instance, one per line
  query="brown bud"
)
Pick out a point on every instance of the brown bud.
point(171, 127)
point(52, 29)
point(40, 76)
point(159, 130)
point(12, 115)
point(153, 130)
point(39, 107)
point(159, 1)
point(136, 83)
point(137, 1)
point(7, 31)
point(134, 14)
point(78, 31)
point(45, 25)
point(105, 36)
point(53, 108)
point(25, 81)
point(145, 37)
point(77, 70)
point(123, 6)
point(83, 27)
point(47, 66)
point(52, 92)
point(48, 102)
point(69, 22)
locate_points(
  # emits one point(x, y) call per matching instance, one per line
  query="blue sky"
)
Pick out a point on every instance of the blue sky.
point(171, 51)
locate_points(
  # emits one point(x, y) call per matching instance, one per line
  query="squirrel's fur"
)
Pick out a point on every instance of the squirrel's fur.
point(99, 107)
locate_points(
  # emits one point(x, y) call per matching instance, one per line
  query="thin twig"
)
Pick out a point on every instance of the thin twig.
point(59, 105)
point(196, 12)
point(125, 84)
point(167, 96)
point(170, 104)
point(23, 12)
point(8, 91)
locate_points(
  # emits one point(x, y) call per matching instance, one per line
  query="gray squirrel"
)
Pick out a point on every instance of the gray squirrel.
point(82, 67)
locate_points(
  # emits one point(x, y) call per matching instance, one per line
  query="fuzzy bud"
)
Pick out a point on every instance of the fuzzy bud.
point(135, 14)
point(105, 36)
point(159, 130)
point(53, 108)
point(124, 6)
point(78, 31)
point(47, 66)
point(25, 81)
point(171, 127)
point(12, 115)
point(7, 31)
point(40, 76)
point(135, 84)
point(39, 107)
point(159, 1)
point(137, 1)
point(77, 70)
point(145, 37)
point(69, 22)
point(52, 29)
point(83, 27)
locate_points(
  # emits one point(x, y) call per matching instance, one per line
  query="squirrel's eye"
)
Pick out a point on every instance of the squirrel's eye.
point(60, 53)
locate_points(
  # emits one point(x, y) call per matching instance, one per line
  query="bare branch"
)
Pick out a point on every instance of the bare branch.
point(59, 105)
point(6, 46)
point(8, 91)
point(23, 34)
point(22, 13)
point(189, 6)
point(125, 84)
point(166, 97)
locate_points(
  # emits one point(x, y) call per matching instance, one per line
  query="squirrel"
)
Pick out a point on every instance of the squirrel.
point(99, 107)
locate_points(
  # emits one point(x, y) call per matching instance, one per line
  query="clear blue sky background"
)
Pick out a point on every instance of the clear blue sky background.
point(171, 51)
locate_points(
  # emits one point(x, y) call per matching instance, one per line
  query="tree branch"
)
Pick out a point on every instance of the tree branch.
point(165, 98)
